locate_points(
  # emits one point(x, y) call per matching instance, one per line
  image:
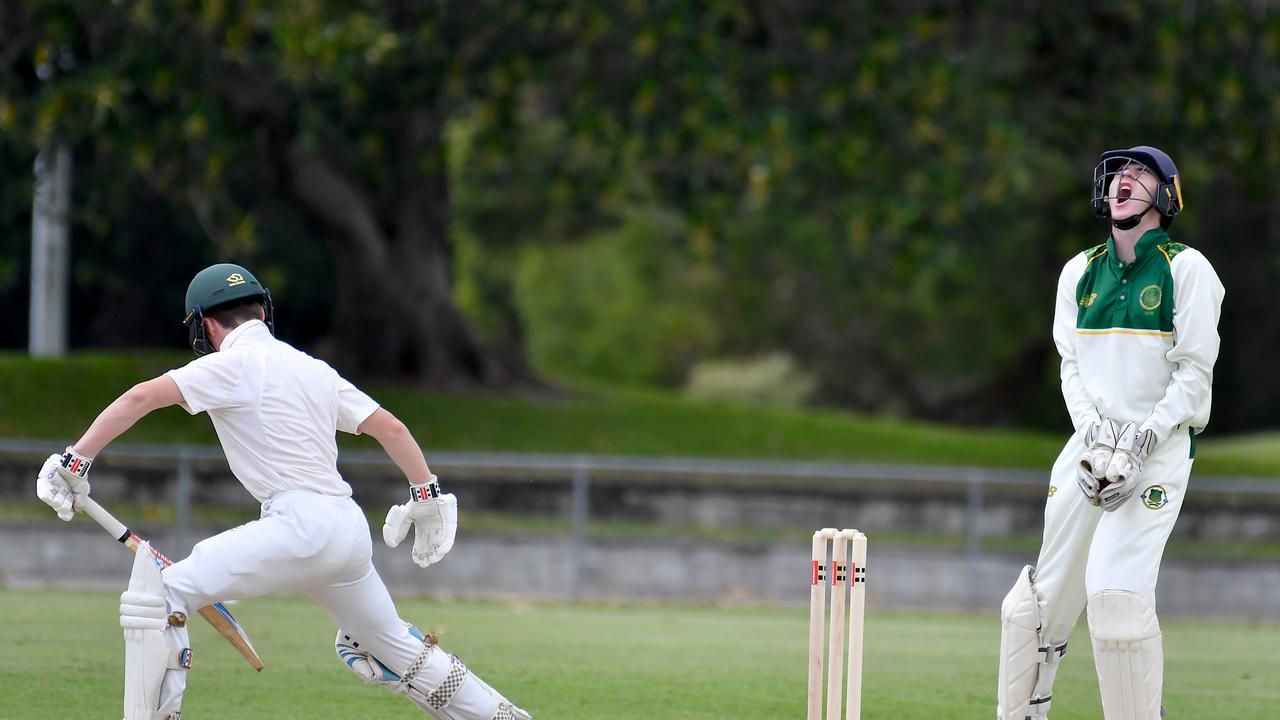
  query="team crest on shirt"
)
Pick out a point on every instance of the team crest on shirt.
point(1087, 300)
point(1155, 497)
point(1150, 297)
point(1053, 490)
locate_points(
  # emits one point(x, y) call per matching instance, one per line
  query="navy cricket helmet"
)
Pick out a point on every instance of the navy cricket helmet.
point(1168, 195)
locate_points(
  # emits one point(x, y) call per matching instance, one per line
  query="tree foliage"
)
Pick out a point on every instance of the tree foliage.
point(885, 192)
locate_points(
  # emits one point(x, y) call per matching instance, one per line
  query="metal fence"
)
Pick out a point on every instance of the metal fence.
point(582, 471)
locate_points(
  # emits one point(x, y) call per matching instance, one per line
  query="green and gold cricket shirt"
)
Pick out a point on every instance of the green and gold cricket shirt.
point(1138, 340)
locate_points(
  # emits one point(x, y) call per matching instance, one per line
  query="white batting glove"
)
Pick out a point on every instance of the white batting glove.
point(62, 482)
point(1132, 448)
point(434, 517)
point(1100, 444)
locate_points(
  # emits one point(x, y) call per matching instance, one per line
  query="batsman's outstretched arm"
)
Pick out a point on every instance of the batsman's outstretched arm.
point(63, 482)
point(432, 514)
point(124, 411)
point(396, 439)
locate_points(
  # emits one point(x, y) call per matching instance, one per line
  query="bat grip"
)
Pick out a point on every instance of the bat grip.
point(114, 527)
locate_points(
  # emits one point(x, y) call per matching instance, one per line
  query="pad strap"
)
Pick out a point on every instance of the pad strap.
point(1042, 694)
point(443, 695)
point(1051, 650)
point(428, 645)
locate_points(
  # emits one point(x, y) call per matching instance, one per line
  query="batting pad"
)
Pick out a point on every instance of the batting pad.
point(460, 695)
point(147, 657)
point(1027, 666)
point(1129, 654)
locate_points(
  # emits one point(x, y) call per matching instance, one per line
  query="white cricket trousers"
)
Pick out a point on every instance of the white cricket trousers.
point(1086, 550)
point(308, 543)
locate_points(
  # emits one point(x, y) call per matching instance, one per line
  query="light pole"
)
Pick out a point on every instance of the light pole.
point(50, 252)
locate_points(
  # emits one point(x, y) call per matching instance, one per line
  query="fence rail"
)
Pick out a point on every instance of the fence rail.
point(582, 470)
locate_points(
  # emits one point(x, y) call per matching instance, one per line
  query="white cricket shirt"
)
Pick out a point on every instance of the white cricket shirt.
point(1139, 340)
point(276, 411)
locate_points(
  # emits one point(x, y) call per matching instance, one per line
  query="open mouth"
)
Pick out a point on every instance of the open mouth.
point(1123, 193)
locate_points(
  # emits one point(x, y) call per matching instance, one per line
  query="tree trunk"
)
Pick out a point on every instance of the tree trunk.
point(395, 313)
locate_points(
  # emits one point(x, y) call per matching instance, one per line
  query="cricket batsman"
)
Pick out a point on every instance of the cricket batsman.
point(276, 411)
point(1136, 324)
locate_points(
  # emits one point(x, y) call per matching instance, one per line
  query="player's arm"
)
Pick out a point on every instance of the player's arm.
point(1198, 297)
point(1079, 405)
point(399, 444)
point(433, 515)
point(136, 403)
point(63, 479)
point(1097, 432)
point(1197, 301)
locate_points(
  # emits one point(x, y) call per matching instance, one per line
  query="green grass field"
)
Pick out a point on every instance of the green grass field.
point(602, 663)
point(585, 419)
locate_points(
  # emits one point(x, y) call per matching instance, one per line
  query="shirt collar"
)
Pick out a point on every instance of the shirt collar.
point(1145, 245)
point(249, 329)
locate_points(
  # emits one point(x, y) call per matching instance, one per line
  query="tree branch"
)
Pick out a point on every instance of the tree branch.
point(15, 46)
point(202, 205)
point(337, 202)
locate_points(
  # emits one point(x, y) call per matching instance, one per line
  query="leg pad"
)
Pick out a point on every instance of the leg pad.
point(149, 691)
point(460, 695)
point(1027, 664)
point(1128, 651)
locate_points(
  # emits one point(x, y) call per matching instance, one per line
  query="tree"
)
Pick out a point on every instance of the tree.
point(340, 111)
point(886, 192)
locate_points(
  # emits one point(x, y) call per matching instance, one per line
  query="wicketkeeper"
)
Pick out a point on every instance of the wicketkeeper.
point(276, 411)
point(1136, 325)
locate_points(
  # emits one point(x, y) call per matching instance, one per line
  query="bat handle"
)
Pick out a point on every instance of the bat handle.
point(114, 527)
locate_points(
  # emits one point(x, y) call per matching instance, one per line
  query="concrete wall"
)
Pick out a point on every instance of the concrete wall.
point(536, 566)
point(681, 568)
point(878, 506)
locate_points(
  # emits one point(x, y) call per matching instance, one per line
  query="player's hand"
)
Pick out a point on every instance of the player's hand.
point(434, 517)
point(1100, 445)
point(62, 482)
point(1132, 448)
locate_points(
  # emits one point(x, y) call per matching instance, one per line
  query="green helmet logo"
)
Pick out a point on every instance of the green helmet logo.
point(218, 286)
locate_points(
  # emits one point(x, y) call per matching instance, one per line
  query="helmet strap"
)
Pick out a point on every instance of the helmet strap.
point(1132, 221)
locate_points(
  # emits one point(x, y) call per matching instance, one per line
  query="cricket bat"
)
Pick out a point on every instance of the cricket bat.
point(218, 616)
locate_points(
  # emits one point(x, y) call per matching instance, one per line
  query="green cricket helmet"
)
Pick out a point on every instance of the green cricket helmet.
point(216, 287)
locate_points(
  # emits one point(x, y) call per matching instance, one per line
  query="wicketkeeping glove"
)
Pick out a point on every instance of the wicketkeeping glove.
point(1100, 445)
point(434, 517)
point(62, 482)
point(1132, 448)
